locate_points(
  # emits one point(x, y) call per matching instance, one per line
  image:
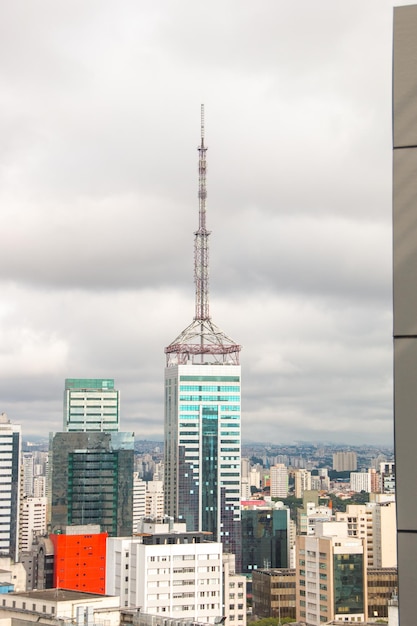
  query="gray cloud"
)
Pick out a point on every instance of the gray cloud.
point(98, 192)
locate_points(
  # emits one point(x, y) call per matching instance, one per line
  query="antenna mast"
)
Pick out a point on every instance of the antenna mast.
point(201, 250)
point(202, 342)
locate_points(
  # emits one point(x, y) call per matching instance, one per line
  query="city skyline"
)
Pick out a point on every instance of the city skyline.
point(99, 195)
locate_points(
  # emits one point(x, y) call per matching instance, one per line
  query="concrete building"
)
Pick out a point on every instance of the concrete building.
point(360, 523)
point(274, 593)
point(331, 576)
point(360, 481)
point(80, 558)
point(385, 532)
point(10, 461)
point(202, 408)
point(92, 480)
point(139, 500)
point(302, 482)
point(345, 461)
point(405, 299)
point(170, 574)
point(154, 499)
point(33, 513)
point(91, 404)
point(234, 593)
point(278, 481)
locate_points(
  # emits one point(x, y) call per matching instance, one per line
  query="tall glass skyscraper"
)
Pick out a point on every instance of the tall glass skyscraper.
point(203, 411)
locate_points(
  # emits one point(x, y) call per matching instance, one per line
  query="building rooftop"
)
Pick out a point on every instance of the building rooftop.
point(59, 595)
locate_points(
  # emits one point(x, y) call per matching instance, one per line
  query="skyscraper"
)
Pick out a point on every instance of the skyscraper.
point(91, 404)
point(10, 450)
point(202, 409)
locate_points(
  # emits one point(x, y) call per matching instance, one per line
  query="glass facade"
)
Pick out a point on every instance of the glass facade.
point(348, 577)
point(92, 480)
point(203, 449)
point(264, 539)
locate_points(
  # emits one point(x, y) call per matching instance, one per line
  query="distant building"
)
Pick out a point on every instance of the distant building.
point(91, 404)
point(360, 481)
point(345, 461)
point(279, 481)
point(10, 452)
point(139, 500)
point(32, 521)
point(302, 482)
point(154, 498)
point(273, 593)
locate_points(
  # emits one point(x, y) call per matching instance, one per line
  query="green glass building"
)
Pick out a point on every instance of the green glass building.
point(92, 480)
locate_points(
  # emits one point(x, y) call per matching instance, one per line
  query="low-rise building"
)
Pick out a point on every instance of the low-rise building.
point(273, 593)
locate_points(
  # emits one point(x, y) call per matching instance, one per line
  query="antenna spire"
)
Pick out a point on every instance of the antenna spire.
point(202, 342)
point(201, 249)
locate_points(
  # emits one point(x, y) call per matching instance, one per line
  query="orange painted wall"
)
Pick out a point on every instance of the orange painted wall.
point(80, 562)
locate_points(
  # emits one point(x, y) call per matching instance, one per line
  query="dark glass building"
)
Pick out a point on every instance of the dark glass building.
point(265, 539)
point(92, 480)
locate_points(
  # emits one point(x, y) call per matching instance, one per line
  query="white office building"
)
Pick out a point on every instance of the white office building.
point(32, 521)
point(171, 574)
point(279, 481)
point(91, 404)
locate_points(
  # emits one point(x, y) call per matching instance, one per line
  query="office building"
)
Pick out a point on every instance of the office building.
point(10, 453)
point(91, 404)
point(171, 574)
point(273, 593)
point(92, 480)
point(203, 411)
point(331, 576)
point(345, 461)
point(265, 537)
point(382, 587)
point(405, 299)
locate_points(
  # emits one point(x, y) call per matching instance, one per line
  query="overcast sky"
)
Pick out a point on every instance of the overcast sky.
point(99, 122)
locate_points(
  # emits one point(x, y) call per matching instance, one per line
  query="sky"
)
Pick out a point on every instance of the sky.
point(100, 121)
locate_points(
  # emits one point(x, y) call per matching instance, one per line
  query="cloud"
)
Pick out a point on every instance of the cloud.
point(100, 121)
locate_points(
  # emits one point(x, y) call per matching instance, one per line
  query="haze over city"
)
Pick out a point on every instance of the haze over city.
point(100, 119)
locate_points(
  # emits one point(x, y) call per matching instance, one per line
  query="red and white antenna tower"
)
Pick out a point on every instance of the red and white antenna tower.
point(202, 342)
